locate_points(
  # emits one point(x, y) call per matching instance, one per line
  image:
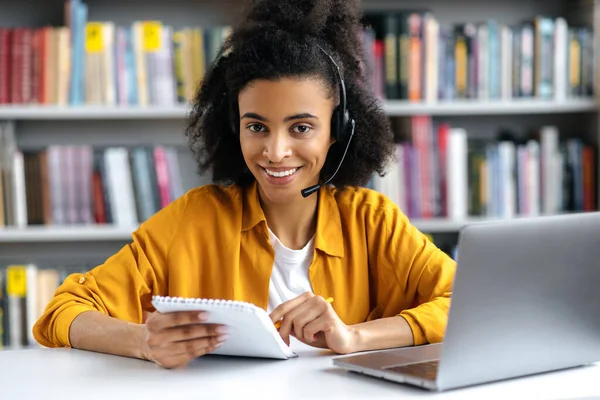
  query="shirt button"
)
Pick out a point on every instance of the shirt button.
point(81, 280)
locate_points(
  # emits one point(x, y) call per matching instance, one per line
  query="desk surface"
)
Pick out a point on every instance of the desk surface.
point(76, 374)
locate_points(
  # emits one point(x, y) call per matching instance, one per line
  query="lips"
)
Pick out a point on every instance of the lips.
point(281, 175)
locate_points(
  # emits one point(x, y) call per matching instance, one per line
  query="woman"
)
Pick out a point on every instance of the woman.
point(269, 122)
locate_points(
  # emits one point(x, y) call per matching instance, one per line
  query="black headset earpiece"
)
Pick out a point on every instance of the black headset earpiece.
point(340, 118)
point(342, 128)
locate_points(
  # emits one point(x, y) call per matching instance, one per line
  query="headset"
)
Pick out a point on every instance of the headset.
point(342, 126)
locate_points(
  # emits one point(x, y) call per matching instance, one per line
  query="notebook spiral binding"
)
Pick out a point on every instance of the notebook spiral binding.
point(204, 302)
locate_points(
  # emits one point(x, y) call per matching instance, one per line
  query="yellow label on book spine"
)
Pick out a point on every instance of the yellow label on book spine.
point(16, 281)
point(94, 42)
point(151, 31)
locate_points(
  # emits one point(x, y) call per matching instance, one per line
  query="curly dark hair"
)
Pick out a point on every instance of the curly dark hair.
point(278, 39)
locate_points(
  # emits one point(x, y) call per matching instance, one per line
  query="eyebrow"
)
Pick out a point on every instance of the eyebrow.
point(291, 117)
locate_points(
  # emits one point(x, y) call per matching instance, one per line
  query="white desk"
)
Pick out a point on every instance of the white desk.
point(75, 374)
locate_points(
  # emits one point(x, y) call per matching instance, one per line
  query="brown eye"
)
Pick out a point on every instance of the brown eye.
point(256, 128)
point(301, 129)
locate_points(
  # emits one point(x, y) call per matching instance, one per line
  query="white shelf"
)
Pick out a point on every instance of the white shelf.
point(65, 234)
point(91, 112)
point(481, 107)
point(437, 225)
point(392, 107)
point(113, 233)
point(116, 233)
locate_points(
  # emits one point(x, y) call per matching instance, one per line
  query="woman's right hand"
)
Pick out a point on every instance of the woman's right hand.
point(172, 340)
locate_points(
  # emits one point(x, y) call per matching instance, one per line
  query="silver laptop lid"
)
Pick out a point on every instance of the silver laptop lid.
point(526, 299)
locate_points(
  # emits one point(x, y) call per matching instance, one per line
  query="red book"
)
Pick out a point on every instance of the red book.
point(5, 64)
point(443, 132)
point(38, 69)
point(27, 65)
point(16, 78)
point(98, 198)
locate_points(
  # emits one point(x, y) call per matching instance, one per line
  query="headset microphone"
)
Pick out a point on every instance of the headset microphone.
point(311, 189)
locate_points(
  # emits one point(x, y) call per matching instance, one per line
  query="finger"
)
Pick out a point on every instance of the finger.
point(186, 332)
point(322, 324)
point(189, 332)
point(196, 347)
point(159, 321)
point(285, 307)
point(287, 324)
point(303, 319)
point(188, 349)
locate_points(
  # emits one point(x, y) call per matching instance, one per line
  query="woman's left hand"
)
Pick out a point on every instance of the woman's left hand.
point(312, 320)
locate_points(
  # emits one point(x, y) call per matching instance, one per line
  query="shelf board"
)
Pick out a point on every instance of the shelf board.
point(442, 225)
point(392, 107)
point(115, 233)
point(91, 112)
point(500, 107)
point(65, 233)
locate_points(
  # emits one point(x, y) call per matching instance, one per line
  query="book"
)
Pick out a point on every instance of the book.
point(251, 331)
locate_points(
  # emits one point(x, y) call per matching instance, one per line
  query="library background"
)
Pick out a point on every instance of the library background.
point(492, 103)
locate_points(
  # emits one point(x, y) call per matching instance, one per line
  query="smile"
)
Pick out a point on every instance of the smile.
point(281, 174)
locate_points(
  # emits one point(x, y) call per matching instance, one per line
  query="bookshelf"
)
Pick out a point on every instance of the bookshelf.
point(39, 126)
point(102, 125)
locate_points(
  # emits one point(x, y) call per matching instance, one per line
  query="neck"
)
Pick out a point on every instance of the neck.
point(295, 222)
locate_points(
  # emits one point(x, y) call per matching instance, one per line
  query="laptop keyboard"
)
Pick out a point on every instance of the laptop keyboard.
point(425, 370)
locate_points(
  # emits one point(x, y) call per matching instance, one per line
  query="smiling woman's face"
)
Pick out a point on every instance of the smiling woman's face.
point(285, 134)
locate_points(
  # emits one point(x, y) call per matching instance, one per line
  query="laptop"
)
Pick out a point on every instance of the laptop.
point(526, 300)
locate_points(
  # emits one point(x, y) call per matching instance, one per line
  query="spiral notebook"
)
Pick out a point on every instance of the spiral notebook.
point(251, 331)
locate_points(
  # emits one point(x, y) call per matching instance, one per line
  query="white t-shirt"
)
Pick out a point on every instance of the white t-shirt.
point(289, 278)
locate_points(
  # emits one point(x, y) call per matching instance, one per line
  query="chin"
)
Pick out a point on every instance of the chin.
point(280, 195)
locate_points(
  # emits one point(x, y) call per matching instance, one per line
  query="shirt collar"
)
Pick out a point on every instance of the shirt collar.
point(328, 238)
point(252, 213)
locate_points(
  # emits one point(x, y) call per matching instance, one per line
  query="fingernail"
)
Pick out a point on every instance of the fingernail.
point(222, 338)
point(222, 329)
point(203, 316)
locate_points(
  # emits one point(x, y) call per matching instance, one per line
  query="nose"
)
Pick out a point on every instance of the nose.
point(277, 147)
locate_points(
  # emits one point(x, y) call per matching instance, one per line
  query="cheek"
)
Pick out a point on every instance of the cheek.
point(247, 149)
point(317, 151)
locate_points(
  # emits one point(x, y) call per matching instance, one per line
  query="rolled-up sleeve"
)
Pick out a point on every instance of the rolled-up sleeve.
point(416, 275)
point(121, 287)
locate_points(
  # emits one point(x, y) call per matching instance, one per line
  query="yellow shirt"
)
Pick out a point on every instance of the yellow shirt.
point(213, 242)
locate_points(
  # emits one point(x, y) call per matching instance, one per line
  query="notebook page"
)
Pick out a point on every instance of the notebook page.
point(251, 331)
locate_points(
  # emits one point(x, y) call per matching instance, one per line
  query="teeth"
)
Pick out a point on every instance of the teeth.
point(281, 173)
